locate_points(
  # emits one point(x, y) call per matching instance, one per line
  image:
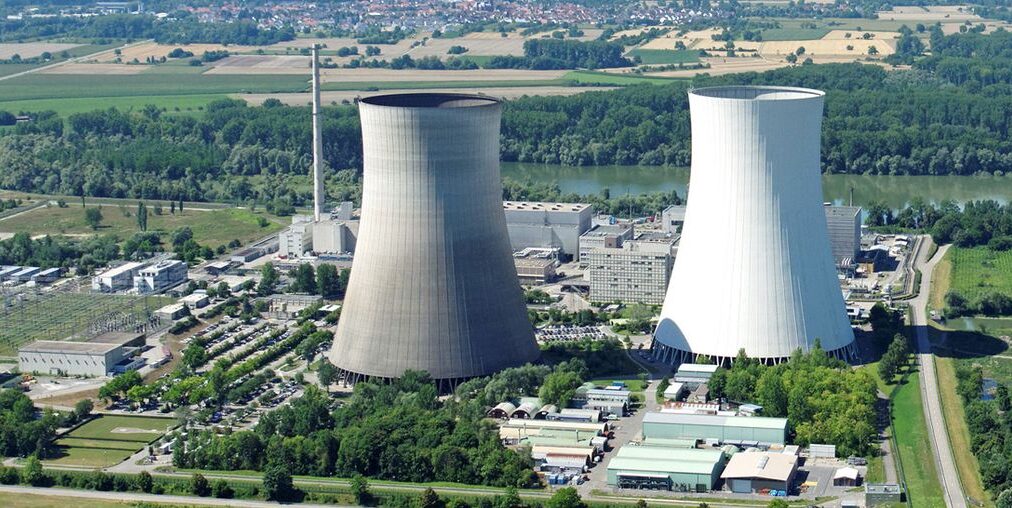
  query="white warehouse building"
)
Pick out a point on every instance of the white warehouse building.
point(754, 268)
point(160, 276)
point(120, 278)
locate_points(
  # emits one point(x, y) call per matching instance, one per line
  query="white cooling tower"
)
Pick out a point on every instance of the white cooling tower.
point(754, 268)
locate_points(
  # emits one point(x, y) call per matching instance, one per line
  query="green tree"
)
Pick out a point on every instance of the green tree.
point(83, 408)
point(93, 216)
point(559, 387)
point(221, 489)
point(142, 216)
point(144, 482)
point(304, 279)
point(269, 278)
point(429, 499)
point(199, 485)
point(328, 282)
point(278, 482)
point(772, 394)
point(566, 497)
point(32, 474)
point(360, 490)
point(778, 503)
point(327, 374)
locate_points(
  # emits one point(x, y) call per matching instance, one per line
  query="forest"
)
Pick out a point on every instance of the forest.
point(990, 431)
point(544, 54)
point(395, 431)
point(824, 399)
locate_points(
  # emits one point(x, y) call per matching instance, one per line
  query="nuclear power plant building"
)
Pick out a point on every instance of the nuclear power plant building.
point(754, 269)
point(433, 286)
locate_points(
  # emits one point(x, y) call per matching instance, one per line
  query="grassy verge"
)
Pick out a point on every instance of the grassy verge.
point(610, 79)
point(959, 433)
point(32, 500)
point(914, 446)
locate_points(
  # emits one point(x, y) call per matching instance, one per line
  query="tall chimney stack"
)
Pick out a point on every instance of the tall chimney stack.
point(318, 197)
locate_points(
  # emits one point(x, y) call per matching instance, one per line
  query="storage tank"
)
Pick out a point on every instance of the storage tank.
point(433, 286)
point(754, 268)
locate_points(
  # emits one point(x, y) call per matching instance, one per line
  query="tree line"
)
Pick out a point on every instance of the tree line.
point(182, 29)
point(990, 430)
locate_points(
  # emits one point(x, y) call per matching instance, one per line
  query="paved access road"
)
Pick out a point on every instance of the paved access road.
point(149, 498)
point(948, 475)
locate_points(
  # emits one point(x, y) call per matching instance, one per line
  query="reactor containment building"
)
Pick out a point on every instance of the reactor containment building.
point(433, 286)
point(754, 269)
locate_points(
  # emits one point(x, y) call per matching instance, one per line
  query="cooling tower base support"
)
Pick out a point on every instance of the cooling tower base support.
point(673, 356)
point(348, 378)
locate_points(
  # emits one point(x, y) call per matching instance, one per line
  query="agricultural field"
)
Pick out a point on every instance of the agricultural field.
point(32, 49)
point(794, 34)
point(59, 86)
point(346, 96)
point(478, 44)
point(932, 13)
point(57, 315)
point(979, 270)
point(210, 227)
point(169, 104)
point(663, 56)
point(109, 439)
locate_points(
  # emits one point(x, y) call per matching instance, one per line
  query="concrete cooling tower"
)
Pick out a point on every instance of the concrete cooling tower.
point(433, 286)
point(754, 268)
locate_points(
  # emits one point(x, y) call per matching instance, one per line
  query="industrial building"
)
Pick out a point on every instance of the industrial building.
point(673, 218)
point(754, 268)
point(334, 237)
point(160, 276)
point(120, 278)
point(604, 236)
point(547, 225)
point(295, 240)
point(755, 472)
point(665, 468)
point(636, 272)
point(536, 265)
point(694, 373)
point(433, 286)
point(195, 300)
point(47, 276)
point(103, 355)
point(844, 226)
point(725, 429)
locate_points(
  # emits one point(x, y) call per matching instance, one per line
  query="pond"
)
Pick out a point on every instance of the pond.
point(894, 191)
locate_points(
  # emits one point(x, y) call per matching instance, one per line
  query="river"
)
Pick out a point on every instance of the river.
point(894, 191)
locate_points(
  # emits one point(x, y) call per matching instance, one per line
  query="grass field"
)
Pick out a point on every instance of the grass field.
point(979, 270)
point(941, 278)
point(106, 427)
point(664, 56)
point(911, 434)
point(210, 227)
point(172, 104)
point(794, 34)
point(51, 86)
point(109, 439)
point(959, 434)
point(58, 315)
point(605, 78)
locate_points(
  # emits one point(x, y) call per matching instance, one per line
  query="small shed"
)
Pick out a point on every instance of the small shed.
point(823, 451)
point(846, 477)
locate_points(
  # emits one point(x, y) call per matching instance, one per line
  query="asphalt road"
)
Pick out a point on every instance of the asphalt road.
point(948, 475)
point(148, 498)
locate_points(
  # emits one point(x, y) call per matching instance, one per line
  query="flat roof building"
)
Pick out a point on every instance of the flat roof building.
point(534, 270)
point(120, 278)
point(551, 225)
point(753, 472)
point(727, 429)
point(655, 467)
point(672, 219)
point(160, 276)
point(636, 272)
point(72, 358)
point(604, 236)
point(695, 372)
point(296, 240)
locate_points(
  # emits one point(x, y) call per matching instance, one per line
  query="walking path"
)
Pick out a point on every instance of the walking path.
point(149, 498)
point(948, 475)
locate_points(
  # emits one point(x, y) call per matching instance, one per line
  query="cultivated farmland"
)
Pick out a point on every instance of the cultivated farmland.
point(32, 49)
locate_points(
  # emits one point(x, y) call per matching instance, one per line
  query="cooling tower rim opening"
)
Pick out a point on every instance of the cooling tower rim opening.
point(431, 100)
point(757, 93)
